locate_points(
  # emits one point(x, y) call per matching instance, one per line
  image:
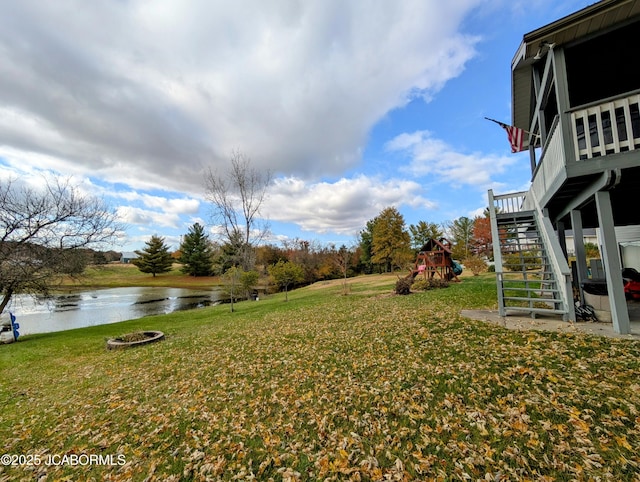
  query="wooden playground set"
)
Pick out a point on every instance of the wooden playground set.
point(435, 259)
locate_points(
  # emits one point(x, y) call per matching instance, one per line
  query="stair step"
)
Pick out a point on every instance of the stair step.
point(536, 310)
point(530, 266)
point(541, 300)
point(509, 242)
point(536, 290)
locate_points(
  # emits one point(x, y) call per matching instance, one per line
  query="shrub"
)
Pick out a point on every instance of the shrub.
point(422, 284)
point(476, 264)
point(403, 286)
point(530, 260)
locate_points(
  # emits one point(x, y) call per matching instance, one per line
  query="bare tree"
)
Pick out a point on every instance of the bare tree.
point(236, 197)
point(342, 258)
point(41, 231)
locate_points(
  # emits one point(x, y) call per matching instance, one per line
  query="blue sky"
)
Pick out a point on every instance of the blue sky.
point(354, 106)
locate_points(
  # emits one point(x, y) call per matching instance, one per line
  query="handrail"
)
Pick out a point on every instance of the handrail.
point(558, 263)
point(497, 254)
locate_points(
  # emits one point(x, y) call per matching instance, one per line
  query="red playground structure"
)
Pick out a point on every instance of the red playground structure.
point(434, 259)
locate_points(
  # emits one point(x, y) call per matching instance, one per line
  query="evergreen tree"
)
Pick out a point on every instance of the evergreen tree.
point(462, 232)
point(154, 258)
point(196, 254)
point(365, 242)
point(423, 232)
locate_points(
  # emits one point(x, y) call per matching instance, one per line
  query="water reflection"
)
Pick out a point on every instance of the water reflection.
point(96, 307)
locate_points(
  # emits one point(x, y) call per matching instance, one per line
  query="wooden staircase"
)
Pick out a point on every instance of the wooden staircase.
point(528, 279)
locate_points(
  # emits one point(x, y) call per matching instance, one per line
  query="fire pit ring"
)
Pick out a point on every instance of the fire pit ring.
point(134, 339)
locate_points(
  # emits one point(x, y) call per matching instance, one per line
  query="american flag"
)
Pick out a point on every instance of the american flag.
point(515, 135)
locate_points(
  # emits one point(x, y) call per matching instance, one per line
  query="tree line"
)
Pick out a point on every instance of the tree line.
point(53, 231)
point(385, 244)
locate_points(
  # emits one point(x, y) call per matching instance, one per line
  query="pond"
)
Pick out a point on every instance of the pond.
point(102, 306)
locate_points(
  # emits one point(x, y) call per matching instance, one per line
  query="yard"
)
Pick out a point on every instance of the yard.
point(327, 386)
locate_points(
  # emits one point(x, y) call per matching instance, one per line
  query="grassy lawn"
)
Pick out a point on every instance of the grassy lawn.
point(123, 275)
point(368, 386)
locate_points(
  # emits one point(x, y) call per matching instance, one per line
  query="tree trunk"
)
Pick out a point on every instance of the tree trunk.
point(5, 300)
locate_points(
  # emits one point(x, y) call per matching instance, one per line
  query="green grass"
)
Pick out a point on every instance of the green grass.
point(124, 275)
point(367, 386)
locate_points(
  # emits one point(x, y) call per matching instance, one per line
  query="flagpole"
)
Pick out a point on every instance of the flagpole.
point(503, 124)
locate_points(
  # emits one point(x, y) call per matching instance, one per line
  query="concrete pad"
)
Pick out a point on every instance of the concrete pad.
point(517, 321)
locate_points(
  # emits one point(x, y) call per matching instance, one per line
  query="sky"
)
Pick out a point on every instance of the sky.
point(353, 106)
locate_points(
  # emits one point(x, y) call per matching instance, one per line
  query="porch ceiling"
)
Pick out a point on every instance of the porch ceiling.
point(624, 198)
point(582, 24)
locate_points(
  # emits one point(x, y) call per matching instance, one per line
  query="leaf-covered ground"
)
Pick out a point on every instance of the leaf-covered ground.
point(327, 387)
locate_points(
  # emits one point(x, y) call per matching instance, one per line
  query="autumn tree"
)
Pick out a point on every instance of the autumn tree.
point(342, 257)
point(196, 253)
point(231, 280)
point(154, 258)
point(423, 232)
point(306, 254)
point(268, 254)
point(286, 274)
point(42, 231)
point(248, 282)
point(236, 197)
point(390, 244)
point(482, 238)
point(476, 265)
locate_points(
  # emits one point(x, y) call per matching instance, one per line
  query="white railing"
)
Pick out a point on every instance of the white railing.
point(608, 127)
point(551, 165)
point(507, 203)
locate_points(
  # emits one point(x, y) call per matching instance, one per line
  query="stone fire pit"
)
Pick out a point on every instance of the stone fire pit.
point(134, 339)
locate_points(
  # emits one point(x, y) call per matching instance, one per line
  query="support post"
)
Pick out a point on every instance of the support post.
point(562, 238)
point(581, 254)
point(497, 254)
point(612, 266)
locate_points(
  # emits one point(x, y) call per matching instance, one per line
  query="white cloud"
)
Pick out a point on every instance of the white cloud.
point(430, 157)
point(342, 207)
point(144, 217)
point(152, 92)
point(177, 206)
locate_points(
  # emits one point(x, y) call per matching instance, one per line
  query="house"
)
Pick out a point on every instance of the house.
point(576, 93)
point(127, 256)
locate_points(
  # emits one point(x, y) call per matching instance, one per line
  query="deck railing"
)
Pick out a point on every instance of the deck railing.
point(607, 127)
point(551, 164)
point(599, 129)
point(507, 203)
